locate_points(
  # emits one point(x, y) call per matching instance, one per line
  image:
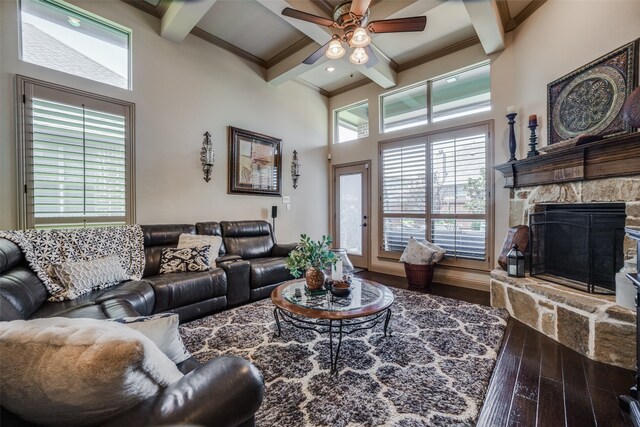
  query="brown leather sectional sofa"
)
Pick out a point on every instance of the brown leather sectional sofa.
point(249, 266)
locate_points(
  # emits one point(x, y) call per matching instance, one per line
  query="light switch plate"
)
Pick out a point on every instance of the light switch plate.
point(286, 199)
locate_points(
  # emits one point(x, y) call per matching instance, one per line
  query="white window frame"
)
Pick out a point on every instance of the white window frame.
point(24, 90)
point(426, 138)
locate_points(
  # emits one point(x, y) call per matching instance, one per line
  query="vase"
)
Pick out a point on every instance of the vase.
point(343, 267)
point(315, 279)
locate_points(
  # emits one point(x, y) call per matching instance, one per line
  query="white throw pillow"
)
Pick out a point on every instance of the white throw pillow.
point(421, 252)
point(74, 372)
point(81, 277)
point(193, 240)
point(162, 329)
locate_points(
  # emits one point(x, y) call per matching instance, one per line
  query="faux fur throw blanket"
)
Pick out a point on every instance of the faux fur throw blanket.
point(42, 248)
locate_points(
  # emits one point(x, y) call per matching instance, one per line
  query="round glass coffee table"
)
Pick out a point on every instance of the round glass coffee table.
point(368, 304)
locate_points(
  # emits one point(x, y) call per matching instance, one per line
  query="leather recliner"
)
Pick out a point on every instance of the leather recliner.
point(190, 294)
point(254, 242)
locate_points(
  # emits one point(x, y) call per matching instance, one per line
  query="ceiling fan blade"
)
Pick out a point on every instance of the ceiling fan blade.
point(317, 54)
point(359, 7)
point(304, 16)
point(400, 25)
point(373, 59)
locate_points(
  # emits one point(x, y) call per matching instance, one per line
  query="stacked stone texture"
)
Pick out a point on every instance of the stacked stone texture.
point(593, 325)
point(622, 190)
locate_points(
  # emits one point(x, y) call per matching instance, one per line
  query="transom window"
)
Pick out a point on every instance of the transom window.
point(352, 122)
point(434, 187)
point(405, 108)
point(57, 35)
point(464, 92)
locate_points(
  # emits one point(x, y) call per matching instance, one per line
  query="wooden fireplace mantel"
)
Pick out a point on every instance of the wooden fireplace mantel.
point(610, 157)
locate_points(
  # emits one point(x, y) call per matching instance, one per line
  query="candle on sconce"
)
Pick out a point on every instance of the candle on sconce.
point(511, 109)
point(533, 120)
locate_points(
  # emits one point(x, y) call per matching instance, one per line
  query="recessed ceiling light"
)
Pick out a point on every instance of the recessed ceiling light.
point(330, 69)
point(74, 22)
point(452, 79)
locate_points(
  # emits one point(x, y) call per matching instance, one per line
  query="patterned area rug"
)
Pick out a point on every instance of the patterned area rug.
point(433, 370)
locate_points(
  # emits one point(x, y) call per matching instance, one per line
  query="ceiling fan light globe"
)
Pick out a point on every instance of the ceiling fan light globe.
point(359, 56)
point(360, 38)
point(335, 50)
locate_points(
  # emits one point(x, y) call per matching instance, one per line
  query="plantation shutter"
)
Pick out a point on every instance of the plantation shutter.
point(404, 186)
point(77, 159)
point(435, 187)
point(458, 196)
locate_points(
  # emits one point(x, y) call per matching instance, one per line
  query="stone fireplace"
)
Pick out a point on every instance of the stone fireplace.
point(592, 324)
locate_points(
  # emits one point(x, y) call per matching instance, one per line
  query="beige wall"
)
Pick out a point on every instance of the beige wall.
point(559, 37)
point(181, 91)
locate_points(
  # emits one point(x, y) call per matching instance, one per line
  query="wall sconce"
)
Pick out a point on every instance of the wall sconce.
point(207, 156)
point(295, 169)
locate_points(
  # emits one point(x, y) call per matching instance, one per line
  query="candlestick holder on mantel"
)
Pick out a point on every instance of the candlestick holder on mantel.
point(533, 140)
point(511, 116)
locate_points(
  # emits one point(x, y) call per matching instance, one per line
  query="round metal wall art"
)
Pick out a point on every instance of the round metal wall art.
point(589, 100)
point(589, 103)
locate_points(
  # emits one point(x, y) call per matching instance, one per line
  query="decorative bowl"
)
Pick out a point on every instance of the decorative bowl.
point(340, 288)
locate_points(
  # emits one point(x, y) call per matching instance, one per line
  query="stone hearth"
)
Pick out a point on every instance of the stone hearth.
point(593, 325)
point(588, 323)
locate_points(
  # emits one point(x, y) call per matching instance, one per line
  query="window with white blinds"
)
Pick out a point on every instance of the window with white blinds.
point(404, 194)
point(76, 158)
point(435, 187)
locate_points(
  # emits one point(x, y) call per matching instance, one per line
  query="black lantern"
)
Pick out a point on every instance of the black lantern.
point(515, 262)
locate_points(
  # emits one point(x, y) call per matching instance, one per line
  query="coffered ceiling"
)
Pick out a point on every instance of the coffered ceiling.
point(257, 31)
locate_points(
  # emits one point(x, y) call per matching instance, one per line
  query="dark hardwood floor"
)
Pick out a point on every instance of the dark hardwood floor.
point(536, 380)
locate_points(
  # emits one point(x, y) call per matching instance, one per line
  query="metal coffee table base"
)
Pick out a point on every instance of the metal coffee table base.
point(332, 327)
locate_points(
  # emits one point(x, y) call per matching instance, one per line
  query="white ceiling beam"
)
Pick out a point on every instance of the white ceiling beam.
point(381, 73)
point(486, 21)
point(292, 66)
point(181, 17)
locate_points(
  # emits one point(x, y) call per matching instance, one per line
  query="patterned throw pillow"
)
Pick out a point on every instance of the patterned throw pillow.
point(81, 277)
point(192, 240)
point(175, 260)
point(162, 329)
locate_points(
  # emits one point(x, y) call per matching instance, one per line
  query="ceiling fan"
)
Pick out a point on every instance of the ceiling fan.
point(352, 18)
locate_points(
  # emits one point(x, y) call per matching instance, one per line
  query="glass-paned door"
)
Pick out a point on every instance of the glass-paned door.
point(351, 212)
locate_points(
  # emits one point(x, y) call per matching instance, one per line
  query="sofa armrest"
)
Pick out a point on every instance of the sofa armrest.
point(225, 392)
point(227, 258)
point(238, 281)
point(283, 250)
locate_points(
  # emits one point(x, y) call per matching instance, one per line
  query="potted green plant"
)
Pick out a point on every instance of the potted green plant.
point(311, 258)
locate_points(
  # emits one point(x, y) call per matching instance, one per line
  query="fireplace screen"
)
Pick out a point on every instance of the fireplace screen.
point(578, 245)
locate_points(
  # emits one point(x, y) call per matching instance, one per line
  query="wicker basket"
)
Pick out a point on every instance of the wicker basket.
point(419, 276)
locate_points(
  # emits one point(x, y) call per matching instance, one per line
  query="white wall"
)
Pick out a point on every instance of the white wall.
point(559, 37)
point(181, 91)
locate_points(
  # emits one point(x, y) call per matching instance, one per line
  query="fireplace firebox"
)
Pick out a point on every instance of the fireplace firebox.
point(578, 245)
